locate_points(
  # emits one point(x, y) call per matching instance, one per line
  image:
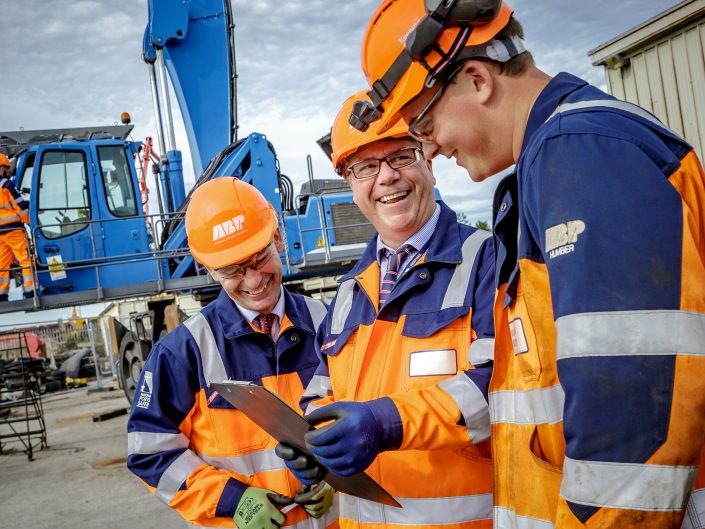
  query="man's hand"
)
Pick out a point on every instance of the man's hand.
point(306, 469)
point(257, 509)
point(358, 433)
point(317, 501)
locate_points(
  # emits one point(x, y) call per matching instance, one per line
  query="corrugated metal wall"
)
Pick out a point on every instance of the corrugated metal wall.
point(668, 79)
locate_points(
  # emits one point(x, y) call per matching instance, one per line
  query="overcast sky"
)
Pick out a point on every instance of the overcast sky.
point(67, 63)
point(70, 63)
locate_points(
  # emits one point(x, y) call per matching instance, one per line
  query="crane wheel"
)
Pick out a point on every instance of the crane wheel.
point(133, 353)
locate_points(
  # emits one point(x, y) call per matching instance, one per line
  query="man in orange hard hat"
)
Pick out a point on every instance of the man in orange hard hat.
point(415, 310)
point(597, 396)
point(14, 214)
point(188, 445)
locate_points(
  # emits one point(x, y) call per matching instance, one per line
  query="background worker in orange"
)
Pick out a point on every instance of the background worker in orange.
point(14, 214)
point(597, 396)
point(189, 446)
point(415, 310)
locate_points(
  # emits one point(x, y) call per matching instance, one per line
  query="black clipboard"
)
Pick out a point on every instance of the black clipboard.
point(280, 421)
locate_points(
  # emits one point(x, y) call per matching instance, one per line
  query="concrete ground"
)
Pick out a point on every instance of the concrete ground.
point(81, 480)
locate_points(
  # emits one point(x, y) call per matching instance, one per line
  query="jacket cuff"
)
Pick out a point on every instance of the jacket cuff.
point(230, 497)
point(389, 422)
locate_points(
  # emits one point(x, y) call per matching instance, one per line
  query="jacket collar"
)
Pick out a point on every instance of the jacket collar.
point(445, 245)
point(550, 97)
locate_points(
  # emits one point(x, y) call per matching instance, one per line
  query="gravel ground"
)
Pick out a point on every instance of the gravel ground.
point(80, 481)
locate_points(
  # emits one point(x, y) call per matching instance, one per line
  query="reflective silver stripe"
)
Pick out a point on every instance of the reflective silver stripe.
point(627, 485)
point(533, 406)
point(247, 464)
point(172, 478)
point(4, 282)
point(507, 519)
point(481, 351)
point(153, 443)
point(319, 386)
point(695, 514)
point(321, 523)
point(472, 405)
point(458, 286)
point(213, 367)
point(419, 511)
point(24, 212)
point(620, 105)
point(317, 310)
point(343, 305)
point(10, 218)
point(664, 332)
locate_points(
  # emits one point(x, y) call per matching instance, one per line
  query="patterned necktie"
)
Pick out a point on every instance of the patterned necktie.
point(264, 323)
point(394, 264)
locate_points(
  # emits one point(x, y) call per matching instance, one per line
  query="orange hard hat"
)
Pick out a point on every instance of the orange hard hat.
point(408, 47)
point(4, 160)
point(227, 221)
point(346, 139)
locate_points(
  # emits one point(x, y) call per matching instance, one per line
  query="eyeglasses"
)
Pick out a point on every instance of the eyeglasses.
point(257, 261)
point(398, 159)
point(421, 128)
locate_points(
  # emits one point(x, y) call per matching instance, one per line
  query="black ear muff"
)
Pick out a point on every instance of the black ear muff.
point(421, 40)
point(474, 12)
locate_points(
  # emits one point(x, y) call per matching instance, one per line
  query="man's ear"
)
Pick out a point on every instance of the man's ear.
point(478, 76)
point(278, 241)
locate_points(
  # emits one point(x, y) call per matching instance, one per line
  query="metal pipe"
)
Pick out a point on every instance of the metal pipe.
point(164, 86)
point(91, 337)
point(157, 109)
point(321, 210)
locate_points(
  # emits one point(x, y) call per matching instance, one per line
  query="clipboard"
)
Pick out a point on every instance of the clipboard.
point(280, 421)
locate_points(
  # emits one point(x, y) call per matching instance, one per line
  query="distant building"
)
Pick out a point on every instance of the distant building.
point(660, 65)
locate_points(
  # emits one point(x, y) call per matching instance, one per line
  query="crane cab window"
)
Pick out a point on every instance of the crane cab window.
point(26, 178)
point(63, 207)
point(117, 181)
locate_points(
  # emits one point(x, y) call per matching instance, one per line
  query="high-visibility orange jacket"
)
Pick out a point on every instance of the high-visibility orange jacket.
point(189, 446)
point(435, 324)
point(598, 391)
point(14, 210)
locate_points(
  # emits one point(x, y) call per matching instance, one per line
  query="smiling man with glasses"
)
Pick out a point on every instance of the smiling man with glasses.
point(189, 446)
point(414, 311)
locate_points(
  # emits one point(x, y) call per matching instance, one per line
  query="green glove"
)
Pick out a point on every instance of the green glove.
point(256, 510)
point(318, 501)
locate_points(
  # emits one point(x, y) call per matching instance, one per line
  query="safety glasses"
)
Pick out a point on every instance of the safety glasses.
point(421, 128)
point(256, 262)
point(370, 167)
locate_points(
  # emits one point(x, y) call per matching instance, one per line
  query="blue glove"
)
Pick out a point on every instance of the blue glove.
point(306, 469)
point(358, 433)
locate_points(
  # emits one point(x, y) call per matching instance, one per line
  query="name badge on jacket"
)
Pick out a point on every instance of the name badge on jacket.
point(433, 363)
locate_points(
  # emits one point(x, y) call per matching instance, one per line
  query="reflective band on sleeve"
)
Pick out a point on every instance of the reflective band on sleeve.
point(481, 351)
point(317, 310)
point(609, 103)
point(174, 476)
point(319, 386)
point(418, 511)
point(504, 517)
point(343, 305)
point(458, 286)
point(472, 405)
point(213, 367)
point(10, 218)
point(247, 464)
point(153, 443)
point(667, 332)
point(695, 514)
point(627, 485)
point(533, 406)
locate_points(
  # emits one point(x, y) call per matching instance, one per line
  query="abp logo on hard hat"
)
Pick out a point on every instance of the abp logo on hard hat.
point(228, 227)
